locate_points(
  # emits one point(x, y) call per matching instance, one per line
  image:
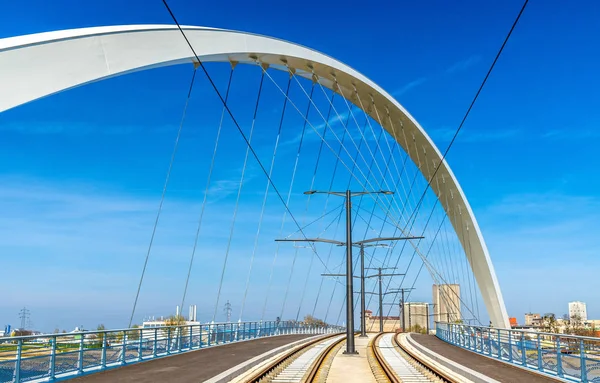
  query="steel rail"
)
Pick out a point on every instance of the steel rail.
point(264, 372)
point(383, 364)
point(318, 364)
point(424, 364)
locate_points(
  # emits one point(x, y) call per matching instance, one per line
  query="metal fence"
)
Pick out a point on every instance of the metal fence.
point(62, 356)
point(574, 358)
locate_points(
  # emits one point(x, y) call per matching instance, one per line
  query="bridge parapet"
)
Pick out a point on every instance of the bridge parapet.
point(58, 356)
point(569, 357)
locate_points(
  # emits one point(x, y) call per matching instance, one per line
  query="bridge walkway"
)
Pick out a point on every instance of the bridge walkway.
point(193, 366)
point(494, 369)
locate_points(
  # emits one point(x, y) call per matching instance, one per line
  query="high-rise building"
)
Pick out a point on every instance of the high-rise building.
point(446, 303)
point(416, 314)
point(532, 319)
point(578, 309)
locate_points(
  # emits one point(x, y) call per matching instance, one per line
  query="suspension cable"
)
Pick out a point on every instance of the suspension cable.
point(162, 197)
point(290, 192)
point(264, 202)
point(240, 131)
point(239, 194)
point(208, 182)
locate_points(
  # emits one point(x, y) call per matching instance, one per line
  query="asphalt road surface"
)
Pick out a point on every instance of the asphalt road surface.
point(194, 366)
point(502, 372)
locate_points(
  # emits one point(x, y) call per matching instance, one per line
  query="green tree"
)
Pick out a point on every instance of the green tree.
point(549, 323)
point(312, 321)
point(133, 334)
point(172, 324)
point(418, 329)
point(100, 335)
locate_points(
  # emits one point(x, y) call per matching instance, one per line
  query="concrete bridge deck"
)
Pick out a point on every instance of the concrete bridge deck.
point(204, 364)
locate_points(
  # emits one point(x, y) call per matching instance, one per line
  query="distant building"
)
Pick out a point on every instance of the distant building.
point(416, 314)
point(390, 323)
point(578, 309)
point(532, 319)
point(446, 303)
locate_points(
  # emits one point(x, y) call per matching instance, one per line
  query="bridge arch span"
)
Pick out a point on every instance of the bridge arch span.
point(39, 65)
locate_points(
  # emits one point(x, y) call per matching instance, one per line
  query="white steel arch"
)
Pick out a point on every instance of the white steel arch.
point(38, 65)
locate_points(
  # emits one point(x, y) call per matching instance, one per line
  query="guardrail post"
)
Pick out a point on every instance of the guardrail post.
point(510, 349)
point(155, 346)
point(17, 374)
point(455, 334)
point(582, 362)
point(168, 340)
point(209, 333)
point(469, 339)
point(559, 368)
point(540, 353)
point(52, 358)
point(179, 333)
point(80, 360)
point(191, 345)
point(523, 351)
point(499, 343)
point(200, 331)
point(103, 357)
point(123, 348)
point(140, 350)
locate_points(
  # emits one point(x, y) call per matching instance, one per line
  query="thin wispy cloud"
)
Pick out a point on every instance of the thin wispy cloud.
point(446, 134)
point(455, 68)
point(413, 84)
point(78, 129)
point(317, 130)
point(571, 134)
point(464, 64)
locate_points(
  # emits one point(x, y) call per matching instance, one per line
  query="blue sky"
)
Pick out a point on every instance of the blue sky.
point(82, 171)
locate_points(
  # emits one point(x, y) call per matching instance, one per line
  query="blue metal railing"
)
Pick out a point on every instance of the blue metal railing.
point(62, 356)
point(571, 357)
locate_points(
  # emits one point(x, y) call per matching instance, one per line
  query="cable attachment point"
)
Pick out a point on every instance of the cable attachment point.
point(292, 71)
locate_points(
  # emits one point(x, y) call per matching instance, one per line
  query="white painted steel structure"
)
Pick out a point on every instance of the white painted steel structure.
point(38, 65)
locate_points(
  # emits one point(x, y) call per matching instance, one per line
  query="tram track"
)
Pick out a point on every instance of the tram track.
point(392, 362)
point(301, 365)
